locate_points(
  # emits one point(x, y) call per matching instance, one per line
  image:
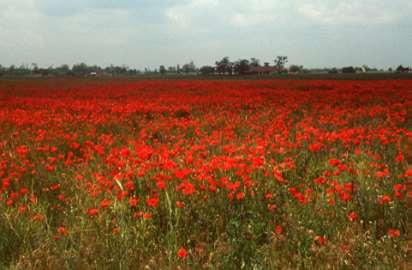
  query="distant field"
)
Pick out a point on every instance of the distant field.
point(146, 173)
point(299, 76)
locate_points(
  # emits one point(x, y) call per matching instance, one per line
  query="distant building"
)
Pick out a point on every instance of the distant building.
point(253, 70)
point(348, 70)
point(403, 69)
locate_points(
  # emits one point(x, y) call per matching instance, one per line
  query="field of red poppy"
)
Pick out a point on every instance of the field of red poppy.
point(276, 174)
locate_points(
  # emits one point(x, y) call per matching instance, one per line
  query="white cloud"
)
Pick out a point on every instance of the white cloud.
point(152, 32)
point(247, 13)
point(19, 25)
point(187, 13)
point(245, 20)
point(354, 12)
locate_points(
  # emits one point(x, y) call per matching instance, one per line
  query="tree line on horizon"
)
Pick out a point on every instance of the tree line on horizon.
point(223, 66)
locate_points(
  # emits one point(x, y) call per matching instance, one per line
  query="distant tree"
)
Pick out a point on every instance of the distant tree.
point(295, 69)
point(224, 66)
point(366, 68)
point(333, 71)
point(21, 70)
point(401, 68)
point(254, 62)
point(44, 72)
point(266, 64)
point(189, 67)
point(34, 68)
point(51, 70)
point(358, 69)
point(207, 70)
point(280, 62)
point(348, 70)
point(80, 69)
point(162, 69)
point(171, 69)
point(62, 70)
point(242, 66)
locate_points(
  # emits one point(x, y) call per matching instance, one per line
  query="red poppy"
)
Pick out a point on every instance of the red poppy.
point(105, 203)
point(278, 229)
point(180, 204)
point(92, 212)
point(62, 231)
point(133, 201)
point(182, 253)
point(384, 199)
point(321, 240)
point(393, 233)
point(152, 202)
point(352, 216)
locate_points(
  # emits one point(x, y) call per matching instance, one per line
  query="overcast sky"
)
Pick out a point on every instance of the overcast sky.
point(147, 33)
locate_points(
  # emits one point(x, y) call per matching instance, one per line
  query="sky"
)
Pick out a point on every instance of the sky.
point(149, 33)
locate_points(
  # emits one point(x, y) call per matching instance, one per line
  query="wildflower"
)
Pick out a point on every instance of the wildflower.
point(381, 174)
point(61, 197)
point(92, 212)
point(24, 191)
point(187, 188)
point(384, 199)
point(320, 180)
point(62, 231)
point(344, 196)
point(278, 229)
point(399, 158)
point(38, 217)
point(315, 147)
point(408, 172)
point(124, 152)
point(272, 207)
point(147, 215)
point(22, 209)
point(133, 201)
point(105, 203)
point(352, 216)
point(9, 202)
point(393, 233)
point(5, 183)
point(115, 230)
point(240, 196)
point(22, 150)
point(320, 240)
point(398, 189)
point(180, 204)
point(268, 196)
point(152, 202)
point(334, 162)
point(129, 185)
point(182, 253)
point(161, 185)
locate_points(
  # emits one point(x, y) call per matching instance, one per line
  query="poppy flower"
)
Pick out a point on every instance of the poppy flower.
point(278, 229)
point(182, 253)
point(393, 233)
point(92, 212)
point(105, 203)
point(62, 231)
point(133, 201)
point(384, 199)
point(320, 240)
point(152, 202)
point(352, 216)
